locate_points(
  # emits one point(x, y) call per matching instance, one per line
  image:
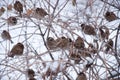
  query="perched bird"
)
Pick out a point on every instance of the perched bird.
point(88, 29)
point(30, 73)
point(2, 10)
point(109, 45)
point(110, 16)
point(63, 42)
point(12, 20)
point(16, 50)
point(79, 43)
point(51, 43)
point(6, 36)
point(39, 13)
point(81, 76)
point(18, 7)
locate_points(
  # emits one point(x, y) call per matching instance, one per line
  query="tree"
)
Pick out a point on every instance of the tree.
point(61, 40)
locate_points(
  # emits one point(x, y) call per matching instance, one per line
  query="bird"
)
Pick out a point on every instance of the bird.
point(109, 45)
point(79, 43)
point(51, 43)
point(88, 29)
point(110, 16)
point(17, 50)
point(12, 20)
point(2, 10)
point(81, 76)
point(6, 36)
point(18, 7)
point(63, 42)
point(39, 13)
point(30, 73)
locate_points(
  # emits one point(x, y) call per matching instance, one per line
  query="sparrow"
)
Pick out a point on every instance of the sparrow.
point(81, 76)
point(2, 10)
point(79, 43)
point(110, 16)
point(12, 20)
point(109, 45)
point(63, 42)
point(30, 73)
point(51, 43)
point(39, 13)
point(18, 7)
point(17, 50)
point(6, 36)
point(88, 29)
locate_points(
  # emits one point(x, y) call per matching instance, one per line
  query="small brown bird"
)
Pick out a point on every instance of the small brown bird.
point(12, 20)
point(79, 43)
point(109, 45)
point(51, 43)
point(88, 29)
point(110, 16)
point(16, 50)
point(39, 13)
point(62, 42)
point(18, 7)
point(30, 73)
point(81, 76)
point(6, 36)
point(2, 10)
